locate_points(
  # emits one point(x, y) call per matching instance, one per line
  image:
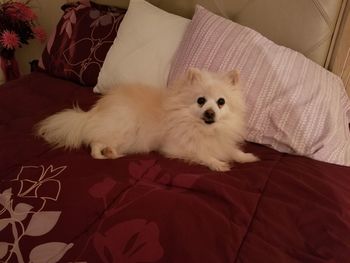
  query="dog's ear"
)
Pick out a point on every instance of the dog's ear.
point(193, 75)
point(234, 76)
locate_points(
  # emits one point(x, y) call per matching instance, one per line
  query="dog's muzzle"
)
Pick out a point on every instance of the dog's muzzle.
point(209, 116)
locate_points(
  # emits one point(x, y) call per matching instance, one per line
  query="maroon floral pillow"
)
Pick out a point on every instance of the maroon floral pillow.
point(79, 44)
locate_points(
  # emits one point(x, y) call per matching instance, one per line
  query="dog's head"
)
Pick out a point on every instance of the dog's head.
point(209, 97)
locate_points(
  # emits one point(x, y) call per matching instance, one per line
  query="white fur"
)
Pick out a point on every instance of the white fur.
point(139, 119)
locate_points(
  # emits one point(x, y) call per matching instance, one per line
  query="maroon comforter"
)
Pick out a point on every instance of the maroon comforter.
point(61, 206)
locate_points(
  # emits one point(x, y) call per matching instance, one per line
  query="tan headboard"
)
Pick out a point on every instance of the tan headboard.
point(309, 26)
point(303, 25)
point(340, 61)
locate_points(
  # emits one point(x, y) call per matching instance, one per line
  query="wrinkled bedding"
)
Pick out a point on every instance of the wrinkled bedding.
point(64, 206)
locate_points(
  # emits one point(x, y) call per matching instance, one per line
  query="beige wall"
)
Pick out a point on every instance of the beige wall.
point(49, 13)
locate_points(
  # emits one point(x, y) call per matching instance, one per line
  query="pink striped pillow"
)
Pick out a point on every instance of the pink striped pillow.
point(294, 105)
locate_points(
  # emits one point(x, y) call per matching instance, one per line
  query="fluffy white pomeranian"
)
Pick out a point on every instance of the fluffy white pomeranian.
point(199, 119)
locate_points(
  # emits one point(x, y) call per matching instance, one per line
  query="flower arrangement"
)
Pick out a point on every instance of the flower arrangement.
point(18, 24)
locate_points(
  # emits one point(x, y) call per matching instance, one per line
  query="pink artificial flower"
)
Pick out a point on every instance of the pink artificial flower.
point(9, 39)
point(39, 34)
point(20, 11)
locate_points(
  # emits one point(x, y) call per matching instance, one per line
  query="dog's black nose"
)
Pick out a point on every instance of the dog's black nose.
point(209, 116)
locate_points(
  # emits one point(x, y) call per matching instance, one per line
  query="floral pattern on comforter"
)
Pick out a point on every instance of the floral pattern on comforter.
point(64, 206)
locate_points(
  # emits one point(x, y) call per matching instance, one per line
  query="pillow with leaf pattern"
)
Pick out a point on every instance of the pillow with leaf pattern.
point(78, 46)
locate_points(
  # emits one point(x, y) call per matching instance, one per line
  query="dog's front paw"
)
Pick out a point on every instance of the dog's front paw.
point(219, 166)
point(242, 157)
point(249, 158)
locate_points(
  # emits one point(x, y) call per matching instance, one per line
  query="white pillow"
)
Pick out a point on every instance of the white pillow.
point(144, 47)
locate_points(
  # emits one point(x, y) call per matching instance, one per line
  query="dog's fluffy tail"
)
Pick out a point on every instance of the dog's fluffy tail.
point(64, 129)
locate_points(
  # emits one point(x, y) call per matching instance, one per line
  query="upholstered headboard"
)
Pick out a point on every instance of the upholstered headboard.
point(320, 29)
point(308, 26)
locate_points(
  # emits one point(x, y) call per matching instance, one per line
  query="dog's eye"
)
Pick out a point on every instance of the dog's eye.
point(201, 101)
point(221, 102)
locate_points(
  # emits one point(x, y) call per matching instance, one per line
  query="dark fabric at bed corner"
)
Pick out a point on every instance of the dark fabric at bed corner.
point(146, 208)
point(25, 102)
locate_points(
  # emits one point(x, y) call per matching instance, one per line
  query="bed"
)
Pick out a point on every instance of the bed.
point(64, 206)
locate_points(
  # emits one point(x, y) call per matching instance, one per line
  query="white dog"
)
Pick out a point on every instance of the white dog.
point(199, 119)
